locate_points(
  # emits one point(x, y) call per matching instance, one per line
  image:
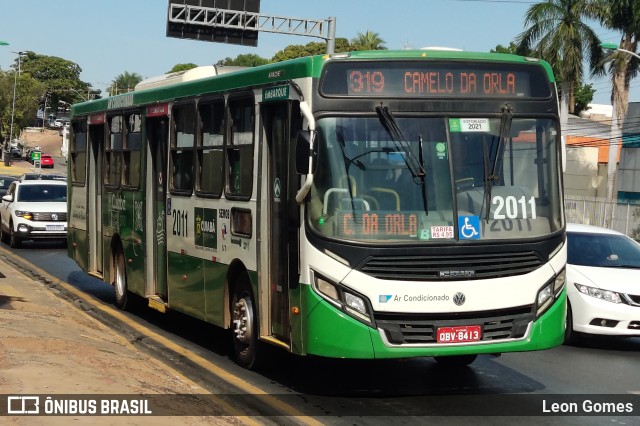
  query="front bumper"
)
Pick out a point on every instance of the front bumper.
point(40, 230)
point(589, 312)
point(332, 333)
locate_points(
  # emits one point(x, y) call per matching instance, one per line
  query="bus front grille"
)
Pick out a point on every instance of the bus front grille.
point(416, 329)
point(441, 267)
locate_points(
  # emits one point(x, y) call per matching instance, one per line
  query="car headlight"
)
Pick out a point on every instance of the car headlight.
point(346, 300)
point(598, 293)
point(24, 214)
point(550, 292)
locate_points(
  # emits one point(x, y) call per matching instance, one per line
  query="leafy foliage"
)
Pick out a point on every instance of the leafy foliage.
point(28, 94)
point(245, 60)
point(583, 97)
point(124, 83)
point(368, 41)
point(313, 48)
point(182, 67)
point(558, 33)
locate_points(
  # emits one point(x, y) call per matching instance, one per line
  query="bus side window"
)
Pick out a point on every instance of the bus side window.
point(182, 146)
point(210, 150)
point(239, 149)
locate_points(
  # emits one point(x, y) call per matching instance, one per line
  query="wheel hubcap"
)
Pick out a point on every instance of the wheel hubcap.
point(243, 320)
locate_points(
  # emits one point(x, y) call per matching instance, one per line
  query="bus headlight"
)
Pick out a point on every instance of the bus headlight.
point(345, 299)
point(550, 292)
point(356, 306)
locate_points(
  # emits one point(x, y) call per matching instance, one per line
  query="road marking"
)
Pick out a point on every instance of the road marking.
point(248, 388)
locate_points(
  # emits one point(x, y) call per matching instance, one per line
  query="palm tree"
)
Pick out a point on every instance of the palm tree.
point(623, 16)
point(124, 83)
point(558, 34)
point(368, 41)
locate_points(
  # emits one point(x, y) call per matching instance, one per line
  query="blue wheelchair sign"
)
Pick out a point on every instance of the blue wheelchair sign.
point(469, 227)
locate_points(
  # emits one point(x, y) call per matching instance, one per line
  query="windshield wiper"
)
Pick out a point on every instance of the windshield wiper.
point(390, 125)
point(492, 176)
point(415, 165)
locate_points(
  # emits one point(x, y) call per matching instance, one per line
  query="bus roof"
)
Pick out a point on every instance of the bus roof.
point(310, 66)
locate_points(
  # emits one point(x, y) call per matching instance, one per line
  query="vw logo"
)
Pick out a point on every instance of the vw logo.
point(459, 299)
point(54, 216)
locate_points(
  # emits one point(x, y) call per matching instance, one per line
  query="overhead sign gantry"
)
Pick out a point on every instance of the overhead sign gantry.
point(239, 22)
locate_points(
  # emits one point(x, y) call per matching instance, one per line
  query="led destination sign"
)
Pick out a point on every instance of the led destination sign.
point(420, 79)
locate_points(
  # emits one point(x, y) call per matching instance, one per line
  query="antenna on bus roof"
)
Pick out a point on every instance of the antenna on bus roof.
point(188, 75)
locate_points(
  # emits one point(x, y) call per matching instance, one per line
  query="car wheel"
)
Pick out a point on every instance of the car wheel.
point(3, 235)
point(120, 282)
point(14, 240)
point(244, 325)
point(455, 361)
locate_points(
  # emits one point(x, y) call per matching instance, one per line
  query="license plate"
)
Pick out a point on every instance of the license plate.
point(55, 227)
point(466, 333)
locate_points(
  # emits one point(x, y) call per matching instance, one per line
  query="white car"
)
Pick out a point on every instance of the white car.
point(34, 209)
point(603, 282)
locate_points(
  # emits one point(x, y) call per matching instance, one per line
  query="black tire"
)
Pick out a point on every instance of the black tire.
point(455, 360)
point(570, 335)
point(14, 240)
point(4, 237)
point(244, 321)
point(120, 282)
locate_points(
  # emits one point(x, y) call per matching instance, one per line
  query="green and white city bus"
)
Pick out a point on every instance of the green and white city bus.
point(383, 204)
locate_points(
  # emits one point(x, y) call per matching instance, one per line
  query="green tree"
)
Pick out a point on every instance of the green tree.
point(557, 32)
point(368, 41)
point(182, 67)
point(583, 97)
point(313, 48)
point(245, 60)
point(124, 83)
point(61, 77)
point(28, 93)
point(513, 49)
point(622, 16)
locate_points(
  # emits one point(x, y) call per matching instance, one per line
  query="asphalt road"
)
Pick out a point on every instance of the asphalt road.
point(402, 391)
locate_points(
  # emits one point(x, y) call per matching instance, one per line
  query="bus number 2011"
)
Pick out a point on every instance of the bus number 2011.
point(511, 207)
point(180, 223)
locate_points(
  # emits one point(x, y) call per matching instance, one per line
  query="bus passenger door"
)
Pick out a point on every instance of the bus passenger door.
point(94, 205)
point(156, 216)
point(281, 242)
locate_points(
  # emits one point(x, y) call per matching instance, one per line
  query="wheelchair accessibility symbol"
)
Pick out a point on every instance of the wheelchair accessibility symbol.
point(469, 227)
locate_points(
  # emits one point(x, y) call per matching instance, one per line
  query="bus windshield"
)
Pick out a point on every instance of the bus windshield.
point(435, 179)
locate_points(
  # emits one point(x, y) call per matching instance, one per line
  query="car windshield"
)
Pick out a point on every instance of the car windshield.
point(402, 179)
point(42, 193)
point(602, 250)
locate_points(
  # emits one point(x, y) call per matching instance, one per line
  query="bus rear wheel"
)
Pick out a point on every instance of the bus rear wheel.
point(456, 360)
point(243, 325)
point(120, 282)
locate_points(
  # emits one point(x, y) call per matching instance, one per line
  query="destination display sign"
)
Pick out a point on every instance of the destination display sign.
point(426, 79)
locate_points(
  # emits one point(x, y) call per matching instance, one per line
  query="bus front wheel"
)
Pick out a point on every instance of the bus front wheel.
point(456, 360)
point(243, 325)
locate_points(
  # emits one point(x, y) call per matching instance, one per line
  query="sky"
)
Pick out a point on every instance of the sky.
point(108, 37)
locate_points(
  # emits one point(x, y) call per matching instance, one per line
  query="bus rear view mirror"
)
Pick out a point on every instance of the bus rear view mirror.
point(304, 153)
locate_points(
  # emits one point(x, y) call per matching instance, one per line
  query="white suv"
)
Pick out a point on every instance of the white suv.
point(34, 209)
